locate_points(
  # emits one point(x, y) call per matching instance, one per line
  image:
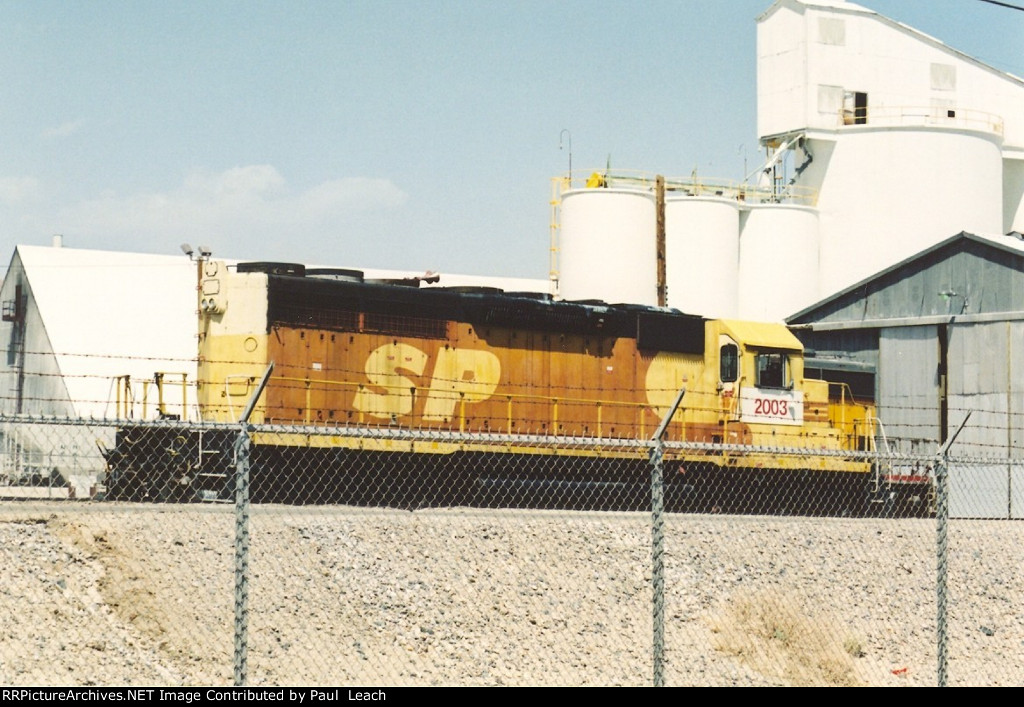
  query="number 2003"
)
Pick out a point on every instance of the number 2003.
point(764, 406)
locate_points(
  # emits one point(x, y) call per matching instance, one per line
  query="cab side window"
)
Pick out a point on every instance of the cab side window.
point(772, 370)
point(730, 363)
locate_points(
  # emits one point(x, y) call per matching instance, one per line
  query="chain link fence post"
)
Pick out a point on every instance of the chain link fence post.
point(658, 559)
point(942, 517)
point(942, 550)
point(242, 451)
point(658, 540)
point(242, 448)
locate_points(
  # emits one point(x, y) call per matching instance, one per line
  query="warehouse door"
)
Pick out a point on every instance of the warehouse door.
point(909, 388)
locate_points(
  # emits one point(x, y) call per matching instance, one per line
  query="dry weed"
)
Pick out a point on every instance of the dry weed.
point(777, 636)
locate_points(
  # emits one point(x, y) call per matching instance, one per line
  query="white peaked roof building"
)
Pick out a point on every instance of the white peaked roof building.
point(75, 321)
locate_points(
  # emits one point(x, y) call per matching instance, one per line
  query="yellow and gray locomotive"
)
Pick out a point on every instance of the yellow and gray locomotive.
point(507, 372)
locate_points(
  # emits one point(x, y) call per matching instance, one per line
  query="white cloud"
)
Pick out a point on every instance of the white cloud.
point(353, 194)
point(16, 190)
point(244, 182)
point(233, 209)
point(64, 129)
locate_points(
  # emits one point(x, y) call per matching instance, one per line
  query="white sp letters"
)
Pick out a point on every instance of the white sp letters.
point(382, 370)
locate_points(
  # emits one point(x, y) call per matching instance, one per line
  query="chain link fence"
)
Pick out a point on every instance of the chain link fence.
point(182, 554)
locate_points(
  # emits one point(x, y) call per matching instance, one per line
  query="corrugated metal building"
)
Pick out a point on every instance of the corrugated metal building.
point(931, 338)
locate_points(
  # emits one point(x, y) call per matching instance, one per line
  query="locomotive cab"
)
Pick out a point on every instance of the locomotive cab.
point(760, 371)
point(765, 399)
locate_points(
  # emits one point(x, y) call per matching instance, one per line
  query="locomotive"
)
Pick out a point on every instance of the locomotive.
point(352, 354)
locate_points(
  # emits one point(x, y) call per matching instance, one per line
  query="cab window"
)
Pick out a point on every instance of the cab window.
point(729, 363)
point(772, 370)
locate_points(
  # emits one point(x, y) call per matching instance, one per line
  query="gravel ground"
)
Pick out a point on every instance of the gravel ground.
point(120, 594)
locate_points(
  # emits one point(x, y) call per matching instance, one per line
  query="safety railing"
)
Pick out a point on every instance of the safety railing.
point(931, 116)
point(303, 401)
point(694, 186)
point(143, 398)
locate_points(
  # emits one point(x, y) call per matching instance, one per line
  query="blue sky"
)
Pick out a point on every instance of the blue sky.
point(390, 134)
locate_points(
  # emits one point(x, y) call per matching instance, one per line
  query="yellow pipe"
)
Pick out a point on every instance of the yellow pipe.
point(308, 401)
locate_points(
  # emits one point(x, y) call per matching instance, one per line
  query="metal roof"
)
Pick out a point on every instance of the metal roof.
point(763, 335)
point(966, 275)
point(850, 8)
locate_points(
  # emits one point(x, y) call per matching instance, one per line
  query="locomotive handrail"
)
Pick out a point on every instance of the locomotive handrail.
point(881, 428)
point(511, 399)
point(250, 405)
point(124, 394)
point(556, 404)
point(844, 388)
point(227, 390)
point(461, 417)
point(497, 438)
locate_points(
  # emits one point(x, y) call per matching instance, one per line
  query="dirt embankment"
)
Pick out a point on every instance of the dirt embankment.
point(132, 595)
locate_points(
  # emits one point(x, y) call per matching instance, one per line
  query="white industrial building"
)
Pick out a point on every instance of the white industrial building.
point(880, 142)
point(75, 321)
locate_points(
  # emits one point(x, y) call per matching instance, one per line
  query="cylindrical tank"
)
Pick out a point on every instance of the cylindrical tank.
point(778, 261)
point(607, 246)
point(702, 253)
point(890, 192)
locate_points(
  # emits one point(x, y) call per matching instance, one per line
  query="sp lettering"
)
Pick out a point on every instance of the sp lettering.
point(457, 376)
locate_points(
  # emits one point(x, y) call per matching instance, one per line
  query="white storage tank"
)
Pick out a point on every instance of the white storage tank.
point(702, 253)
point(890, 192)
point(607, 246)
point(778, 261)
